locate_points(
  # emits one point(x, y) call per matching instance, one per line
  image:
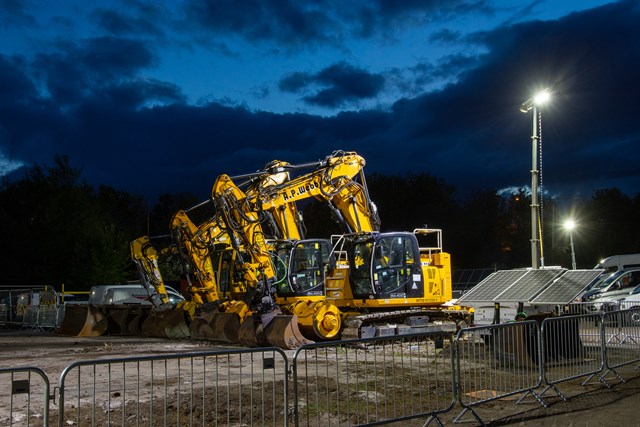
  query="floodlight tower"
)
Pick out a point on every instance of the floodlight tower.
point(532, 104)
point(569, 225)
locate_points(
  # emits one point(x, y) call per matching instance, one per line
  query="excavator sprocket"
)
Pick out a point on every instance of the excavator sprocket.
point(83, 320)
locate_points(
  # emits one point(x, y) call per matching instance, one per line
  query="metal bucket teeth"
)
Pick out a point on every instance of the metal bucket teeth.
point(283, 332)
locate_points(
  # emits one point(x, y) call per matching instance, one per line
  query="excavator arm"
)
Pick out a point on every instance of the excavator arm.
point(339, 181)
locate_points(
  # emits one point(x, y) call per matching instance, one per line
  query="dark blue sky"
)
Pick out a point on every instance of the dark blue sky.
point(153, 97)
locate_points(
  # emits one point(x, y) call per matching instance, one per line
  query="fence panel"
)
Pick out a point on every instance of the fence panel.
point(244, 387)
point(621, 337)
point(374, 380)
point(24, 397)
point(497, 361)
point(572, 348)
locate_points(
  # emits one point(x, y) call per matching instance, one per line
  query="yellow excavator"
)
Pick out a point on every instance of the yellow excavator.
point(365, 282)
point(218, 280)
point(360, 283)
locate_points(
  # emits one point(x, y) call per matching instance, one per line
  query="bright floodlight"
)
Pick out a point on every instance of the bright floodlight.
point(535, 101)
point(569, 224)
point(541, 97)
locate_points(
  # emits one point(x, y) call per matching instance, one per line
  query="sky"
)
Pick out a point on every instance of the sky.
point(159, 96)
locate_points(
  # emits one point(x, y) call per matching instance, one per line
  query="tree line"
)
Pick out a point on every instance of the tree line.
point(58, 229)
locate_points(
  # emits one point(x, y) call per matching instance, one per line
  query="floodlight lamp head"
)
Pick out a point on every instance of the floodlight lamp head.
point(541, 97)
point(536, 100)
point(526, 106)
point(569, 224)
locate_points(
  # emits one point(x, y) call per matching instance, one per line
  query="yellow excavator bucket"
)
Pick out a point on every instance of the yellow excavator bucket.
point(83, 320)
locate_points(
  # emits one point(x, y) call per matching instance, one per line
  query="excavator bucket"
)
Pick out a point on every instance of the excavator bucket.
point(117, 321)
point(283, 332)
point(166, 324)
point(83, 320)
point(225, 327)
point(135, 323)
point(200, 327)
point(251, 333)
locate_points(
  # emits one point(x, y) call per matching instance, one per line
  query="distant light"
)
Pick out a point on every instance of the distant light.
point(569, 224)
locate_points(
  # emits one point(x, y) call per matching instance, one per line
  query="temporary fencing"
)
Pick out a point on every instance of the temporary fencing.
point(243, 387)
point(374, 380)
point(497, 361)
point(33, 308)
point(357, 382)
point(572, 348)
point(621, 339)
point(24, 397)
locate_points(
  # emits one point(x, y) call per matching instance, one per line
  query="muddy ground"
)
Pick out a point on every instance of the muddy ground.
point(591, 405)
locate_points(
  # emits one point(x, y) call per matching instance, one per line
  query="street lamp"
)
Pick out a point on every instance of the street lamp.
point(569, 225)
point(536, 242)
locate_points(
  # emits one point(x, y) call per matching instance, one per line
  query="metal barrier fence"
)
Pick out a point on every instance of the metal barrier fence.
point(24, 397)
point(497, 361)
point(374, 380)
point(244, 387)
point(357, 382)
point(621, 339)
point(33, 308)
point(572, 348)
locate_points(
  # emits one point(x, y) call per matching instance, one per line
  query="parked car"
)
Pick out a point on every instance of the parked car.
point(619, 262)
point(127, 294)
point(615, 286)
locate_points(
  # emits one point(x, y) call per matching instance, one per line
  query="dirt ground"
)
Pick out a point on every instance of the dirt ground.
point(591, 405)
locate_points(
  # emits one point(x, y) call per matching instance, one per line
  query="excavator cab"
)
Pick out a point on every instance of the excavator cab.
point(307, 268)
point(385, 265)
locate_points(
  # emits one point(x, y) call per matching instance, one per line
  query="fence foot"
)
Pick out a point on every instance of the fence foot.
point(432, 418)
point(457, 419)
point(535, 395)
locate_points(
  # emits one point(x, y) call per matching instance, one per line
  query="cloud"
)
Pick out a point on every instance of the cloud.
point(80, 70)
point(120, 24)
point(304, 24)
point(91, 100)
point(340, 84)
point(15, 12)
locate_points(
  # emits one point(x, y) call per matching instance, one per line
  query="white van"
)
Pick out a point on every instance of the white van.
point(619, 262)
point(127, 294)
